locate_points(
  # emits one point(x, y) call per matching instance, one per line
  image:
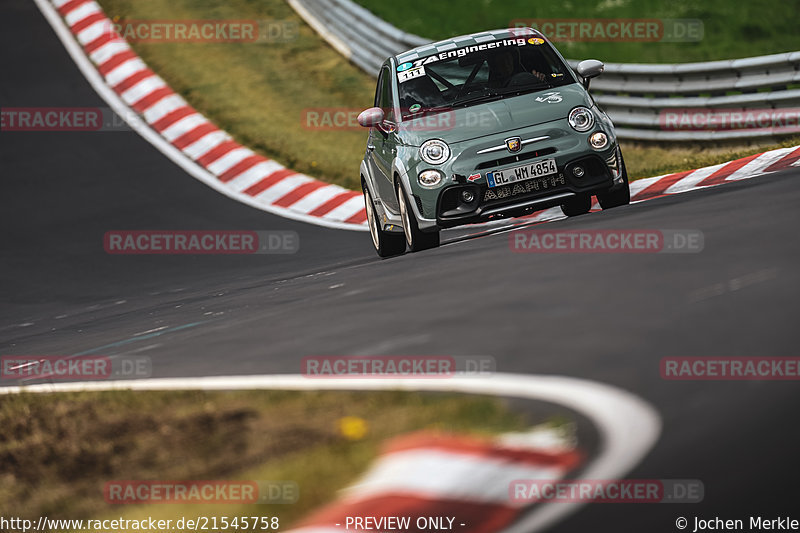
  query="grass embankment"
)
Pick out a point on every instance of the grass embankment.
point(644, 161)
point(57, 451)
point(731, 29)
point(259, 92)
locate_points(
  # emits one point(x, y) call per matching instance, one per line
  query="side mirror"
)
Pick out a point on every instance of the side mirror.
point(588, 69)
point(370, 118)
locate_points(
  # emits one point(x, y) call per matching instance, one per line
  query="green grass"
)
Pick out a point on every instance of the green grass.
point(647, 160)
point(731, 29)
point(58, 450)
point(259, 92)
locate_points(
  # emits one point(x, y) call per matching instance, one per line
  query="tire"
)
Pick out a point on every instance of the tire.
point(386, 244)
point(416, 239)
point(579, 205)
point(620, 196)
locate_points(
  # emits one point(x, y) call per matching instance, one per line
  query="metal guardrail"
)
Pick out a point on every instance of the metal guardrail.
point(634, 95)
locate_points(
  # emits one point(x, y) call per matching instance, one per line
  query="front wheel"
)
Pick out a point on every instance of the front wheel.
point(416, 239)
point(386, 243)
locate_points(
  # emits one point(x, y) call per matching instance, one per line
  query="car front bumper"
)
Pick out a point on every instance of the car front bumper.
point(519, 198)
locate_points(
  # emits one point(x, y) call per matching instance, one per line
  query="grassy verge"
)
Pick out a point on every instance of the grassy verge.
point(731, 30)
point(59, 450)
point(644, 161)
point(260, 92)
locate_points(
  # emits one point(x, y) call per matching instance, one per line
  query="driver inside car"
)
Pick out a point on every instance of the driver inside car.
point(505, 68)
point(501, 69)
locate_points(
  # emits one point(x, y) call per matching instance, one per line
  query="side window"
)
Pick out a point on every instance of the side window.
point(384, 96)
point(379, 87)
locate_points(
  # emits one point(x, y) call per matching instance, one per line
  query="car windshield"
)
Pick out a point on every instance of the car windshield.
point(479, 73)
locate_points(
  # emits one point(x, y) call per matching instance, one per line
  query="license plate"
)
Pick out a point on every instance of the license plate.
point(536, 169)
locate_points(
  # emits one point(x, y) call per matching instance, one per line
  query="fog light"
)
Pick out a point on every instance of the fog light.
point(429, 178)
point(577, 172)
point(598, 140)
point(467, 196)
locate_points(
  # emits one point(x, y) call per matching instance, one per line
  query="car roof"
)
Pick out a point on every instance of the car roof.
point(465, 40)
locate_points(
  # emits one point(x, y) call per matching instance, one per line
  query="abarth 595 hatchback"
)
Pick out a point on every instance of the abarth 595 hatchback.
point(488, 125)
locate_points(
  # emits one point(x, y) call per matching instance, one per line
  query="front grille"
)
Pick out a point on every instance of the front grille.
point(494, 163)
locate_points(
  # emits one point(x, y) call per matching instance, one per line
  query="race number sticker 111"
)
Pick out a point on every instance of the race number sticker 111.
point(410, 74)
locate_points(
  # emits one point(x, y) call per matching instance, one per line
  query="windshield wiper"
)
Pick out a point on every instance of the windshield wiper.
point(426, 111)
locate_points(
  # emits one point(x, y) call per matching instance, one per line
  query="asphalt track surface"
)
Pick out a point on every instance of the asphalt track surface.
point(604, 317)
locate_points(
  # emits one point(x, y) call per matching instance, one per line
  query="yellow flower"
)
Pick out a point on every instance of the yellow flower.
point(352, 427)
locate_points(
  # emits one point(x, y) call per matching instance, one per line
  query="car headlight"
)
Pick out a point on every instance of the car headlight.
point(434, 152)
point(581, 119)
point(429, 178)
point(598, 140)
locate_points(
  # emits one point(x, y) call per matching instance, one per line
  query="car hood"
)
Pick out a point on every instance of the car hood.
point(506, 115)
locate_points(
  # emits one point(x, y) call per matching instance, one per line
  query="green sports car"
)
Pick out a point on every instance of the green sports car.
point(493, 124)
